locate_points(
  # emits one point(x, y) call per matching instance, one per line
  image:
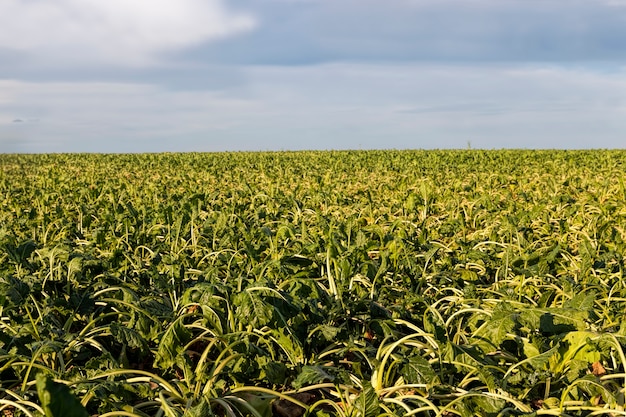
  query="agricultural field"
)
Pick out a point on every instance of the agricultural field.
point(362, 284)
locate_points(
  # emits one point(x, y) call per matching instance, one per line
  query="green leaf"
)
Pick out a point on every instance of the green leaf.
point(488, 378)
point(434, 324)
point(495, 330)
point(203, 293)
point(15, 290)
point(57, 400)
point(311, 375)
point(417, 370)
point(488, 405)
point(260, 404)
point(367, 404)
point(252, 309)
point(593, 387)
point(531, 318)
point(579, 345)
point(530, 349)
point(275, 372)
point(582, 301)
point(290, 345)
point(539, 361)
point(557, 320)
point(329, 332)
point(172, 344)
point(167, 408)
point(202, 409)
point(576, 350)
point(75, 266)
point(575, 368)
point(127, 337)
point(468, 275)
point(82, 302)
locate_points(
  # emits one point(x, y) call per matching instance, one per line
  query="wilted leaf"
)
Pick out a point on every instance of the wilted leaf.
point(597, 369)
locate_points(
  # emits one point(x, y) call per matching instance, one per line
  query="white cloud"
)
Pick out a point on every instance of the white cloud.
point(113, 31)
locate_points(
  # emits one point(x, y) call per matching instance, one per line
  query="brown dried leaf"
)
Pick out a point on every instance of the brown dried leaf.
point(597, 369)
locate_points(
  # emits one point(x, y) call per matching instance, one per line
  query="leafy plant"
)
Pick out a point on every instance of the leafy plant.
point(426, 283)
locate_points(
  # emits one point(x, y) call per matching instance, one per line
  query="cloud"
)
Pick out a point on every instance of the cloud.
point(305, 32)
point(331, 106)
point(113, 31)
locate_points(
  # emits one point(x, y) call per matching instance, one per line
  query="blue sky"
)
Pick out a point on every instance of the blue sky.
point(211, 75)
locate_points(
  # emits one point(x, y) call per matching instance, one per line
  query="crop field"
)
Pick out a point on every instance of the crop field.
point(360, 283)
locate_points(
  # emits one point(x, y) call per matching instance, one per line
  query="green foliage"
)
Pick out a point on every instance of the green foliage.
point(472, 283)
point(171, 344)
point(417, 370)
point(367, 404)
point(310, 375)
point(57, 400)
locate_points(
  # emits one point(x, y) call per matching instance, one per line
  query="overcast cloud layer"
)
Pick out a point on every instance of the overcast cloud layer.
point(202, 75)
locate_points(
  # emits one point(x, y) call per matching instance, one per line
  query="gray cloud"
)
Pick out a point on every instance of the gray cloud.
point(452, 30)
point(306, 32)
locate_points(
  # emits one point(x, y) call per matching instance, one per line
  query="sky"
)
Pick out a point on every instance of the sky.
point(213, 75)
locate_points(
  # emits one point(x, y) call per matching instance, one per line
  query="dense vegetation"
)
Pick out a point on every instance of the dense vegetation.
point(423, 283)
